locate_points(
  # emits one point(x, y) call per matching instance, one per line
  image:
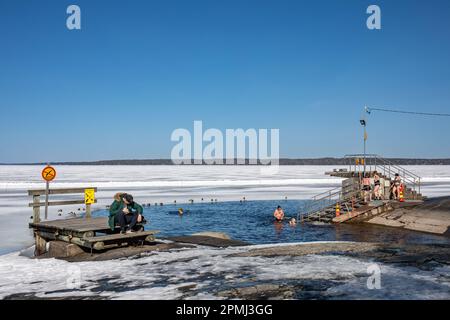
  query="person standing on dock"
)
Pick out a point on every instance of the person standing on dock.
point(377, 186)
point(367, 189)
point(279, 214)
point(396, 185)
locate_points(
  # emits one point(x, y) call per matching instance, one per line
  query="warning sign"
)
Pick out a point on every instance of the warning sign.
point(49, 173)
point(89, 196)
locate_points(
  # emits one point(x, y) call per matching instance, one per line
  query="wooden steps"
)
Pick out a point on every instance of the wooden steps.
point(114, 240)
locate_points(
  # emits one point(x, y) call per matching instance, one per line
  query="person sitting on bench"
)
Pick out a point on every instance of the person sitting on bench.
point(125, 212)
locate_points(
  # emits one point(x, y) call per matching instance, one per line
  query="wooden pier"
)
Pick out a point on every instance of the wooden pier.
point(88, 233)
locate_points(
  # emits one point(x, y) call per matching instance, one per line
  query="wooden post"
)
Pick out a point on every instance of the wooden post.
point(36, 209)
point(88, 211)
point(41, 245)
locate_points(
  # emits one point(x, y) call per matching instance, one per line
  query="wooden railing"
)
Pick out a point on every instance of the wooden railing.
point(37, 204)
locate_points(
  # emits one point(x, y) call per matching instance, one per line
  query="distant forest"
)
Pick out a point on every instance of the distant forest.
point(316, 161)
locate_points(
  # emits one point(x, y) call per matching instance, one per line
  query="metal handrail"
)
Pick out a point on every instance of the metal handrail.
point(389, 167)
point(407, 175)
point(377, 157)
point(311, 208)
point(328, 198)
point(325, 193)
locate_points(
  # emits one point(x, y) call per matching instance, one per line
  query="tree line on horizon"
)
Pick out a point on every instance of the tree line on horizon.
point(283, 161)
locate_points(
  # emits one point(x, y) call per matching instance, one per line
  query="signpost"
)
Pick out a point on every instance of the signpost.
point(89, 198)
point(48, 174)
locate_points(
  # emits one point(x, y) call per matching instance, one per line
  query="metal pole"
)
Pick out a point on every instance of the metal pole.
point(47, 186)
point(364, 149)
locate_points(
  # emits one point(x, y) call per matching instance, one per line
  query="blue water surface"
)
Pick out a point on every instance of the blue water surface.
point(252, 221)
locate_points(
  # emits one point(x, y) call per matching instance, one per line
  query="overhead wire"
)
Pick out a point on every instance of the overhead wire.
point(369, 110)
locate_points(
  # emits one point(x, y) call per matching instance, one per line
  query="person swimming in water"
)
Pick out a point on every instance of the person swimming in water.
point(293, 222)
point(279, 214)
point(180, 211)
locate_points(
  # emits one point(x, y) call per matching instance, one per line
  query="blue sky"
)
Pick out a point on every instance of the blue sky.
point(140, 69)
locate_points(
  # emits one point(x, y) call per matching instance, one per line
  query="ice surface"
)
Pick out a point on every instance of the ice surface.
point(151, 184)
point(166, 275)
point(203, 272)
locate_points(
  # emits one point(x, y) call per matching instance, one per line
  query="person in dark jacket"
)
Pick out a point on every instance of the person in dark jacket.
point(125, 212)
point(114, 209)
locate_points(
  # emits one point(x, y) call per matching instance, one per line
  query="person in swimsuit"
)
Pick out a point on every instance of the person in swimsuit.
point(366, 187)
point(279, 214)
point(396, 185)
point(377, 186)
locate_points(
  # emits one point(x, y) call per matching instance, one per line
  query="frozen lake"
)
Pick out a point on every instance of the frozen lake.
point(155, 184)
point(163, 275)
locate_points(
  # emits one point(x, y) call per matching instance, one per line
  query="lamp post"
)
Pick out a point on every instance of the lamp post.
point(364, 124)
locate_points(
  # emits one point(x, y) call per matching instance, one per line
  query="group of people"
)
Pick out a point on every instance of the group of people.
point(374, 187)
point(126, 213)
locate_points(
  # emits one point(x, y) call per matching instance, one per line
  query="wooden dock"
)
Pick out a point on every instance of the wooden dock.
point(89, 233)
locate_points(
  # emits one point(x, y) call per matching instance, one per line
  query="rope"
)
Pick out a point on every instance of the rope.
point(409, 112)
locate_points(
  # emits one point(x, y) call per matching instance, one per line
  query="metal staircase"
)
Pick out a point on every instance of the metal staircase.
point(349, 197)
point(322, 207)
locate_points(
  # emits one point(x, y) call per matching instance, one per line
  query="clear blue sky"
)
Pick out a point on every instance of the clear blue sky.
point(140, 69)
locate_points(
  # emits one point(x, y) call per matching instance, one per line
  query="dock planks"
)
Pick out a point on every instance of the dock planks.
point(74, 224)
